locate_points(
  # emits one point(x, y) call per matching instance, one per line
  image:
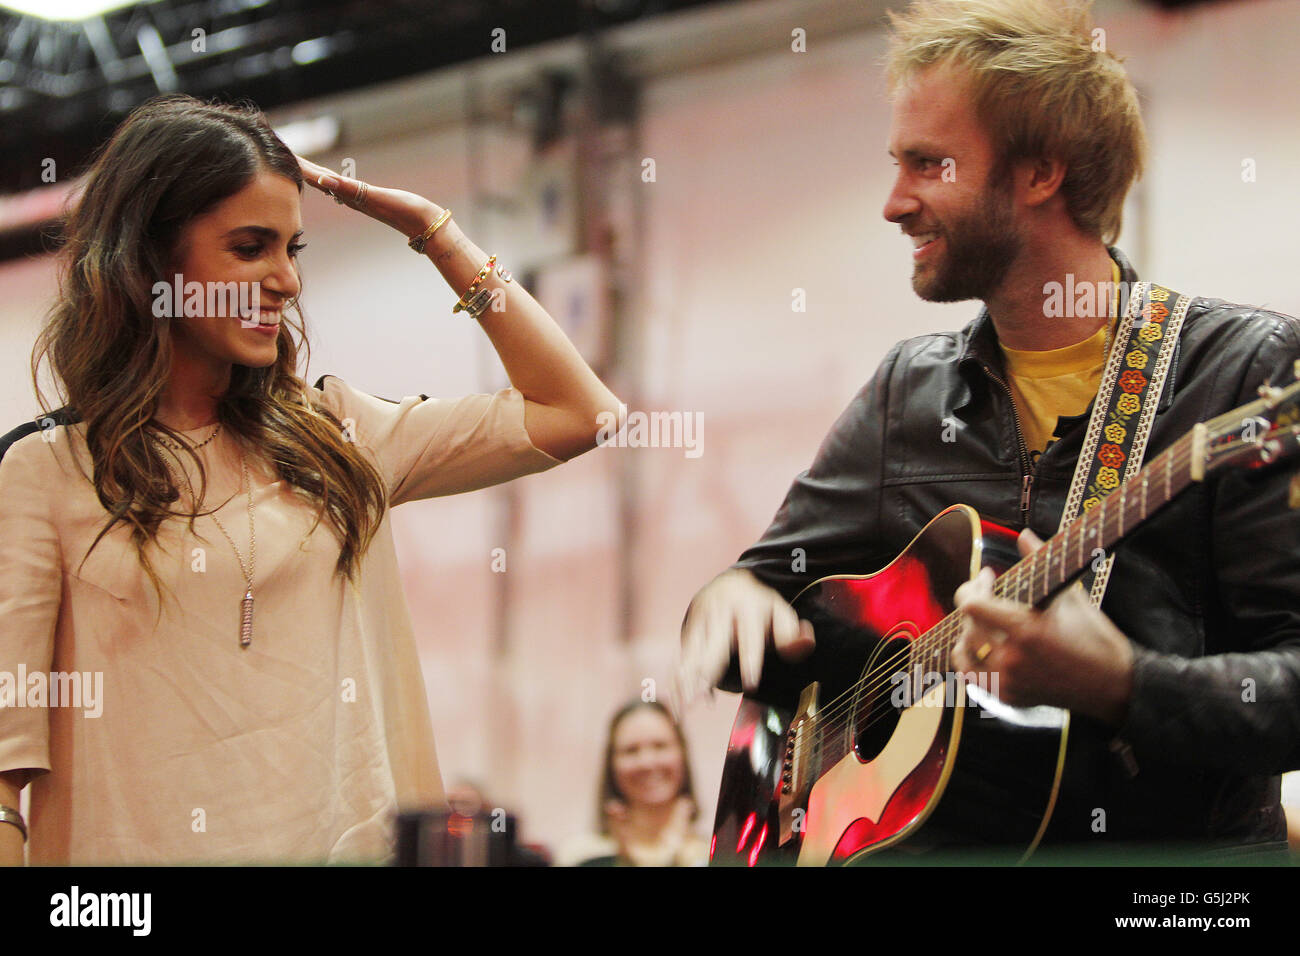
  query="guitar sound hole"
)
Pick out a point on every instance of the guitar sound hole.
point(876, 712)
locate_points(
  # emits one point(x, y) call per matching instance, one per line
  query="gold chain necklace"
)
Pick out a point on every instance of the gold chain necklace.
point(200, 444)
point(245, 605)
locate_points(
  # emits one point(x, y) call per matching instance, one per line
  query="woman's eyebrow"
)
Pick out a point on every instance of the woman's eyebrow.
point(264, 232)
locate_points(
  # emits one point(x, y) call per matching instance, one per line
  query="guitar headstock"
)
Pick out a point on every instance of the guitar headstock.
point(1260, 433)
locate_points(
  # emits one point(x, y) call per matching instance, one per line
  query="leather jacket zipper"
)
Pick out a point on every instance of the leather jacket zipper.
point(1026, 462)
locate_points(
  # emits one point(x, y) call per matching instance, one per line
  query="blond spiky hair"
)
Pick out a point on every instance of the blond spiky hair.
point(1044, 86)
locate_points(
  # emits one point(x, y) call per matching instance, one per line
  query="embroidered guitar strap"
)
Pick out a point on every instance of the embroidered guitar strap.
point(1131, 385)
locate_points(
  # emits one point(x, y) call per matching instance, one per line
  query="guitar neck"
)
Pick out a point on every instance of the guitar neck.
point(1085, 540)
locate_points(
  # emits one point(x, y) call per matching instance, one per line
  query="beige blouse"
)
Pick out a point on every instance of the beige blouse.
point(165, 741)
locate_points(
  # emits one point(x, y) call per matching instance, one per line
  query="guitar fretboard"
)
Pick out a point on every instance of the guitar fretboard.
point(1086, 539)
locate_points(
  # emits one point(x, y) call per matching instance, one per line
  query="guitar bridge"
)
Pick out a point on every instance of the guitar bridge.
point(798, 765)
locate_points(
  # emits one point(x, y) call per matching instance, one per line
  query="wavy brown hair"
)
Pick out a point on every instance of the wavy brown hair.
point(171, 160)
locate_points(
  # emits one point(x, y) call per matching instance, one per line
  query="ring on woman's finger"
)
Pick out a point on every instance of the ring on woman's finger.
point(985, 650)
point(362, 189)
point(320, 181)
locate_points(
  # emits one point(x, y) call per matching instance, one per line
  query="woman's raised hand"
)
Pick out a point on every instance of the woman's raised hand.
point(404, 211)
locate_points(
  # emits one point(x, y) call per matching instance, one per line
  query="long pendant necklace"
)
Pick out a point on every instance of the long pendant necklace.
point(246, 604)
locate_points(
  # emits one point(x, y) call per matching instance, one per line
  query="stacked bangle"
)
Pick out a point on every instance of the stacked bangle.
point(475, 300)
point(478, 303)
point(417, 242)
point(10, 815)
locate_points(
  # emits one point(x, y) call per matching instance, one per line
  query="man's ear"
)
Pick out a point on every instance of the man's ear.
point(1038, 180)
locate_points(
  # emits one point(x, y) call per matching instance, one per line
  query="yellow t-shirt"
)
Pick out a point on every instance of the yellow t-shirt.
point(1047, 385)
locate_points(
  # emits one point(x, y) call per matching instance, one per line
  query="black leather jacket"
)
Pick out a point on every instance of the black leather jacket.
point(1208, 591)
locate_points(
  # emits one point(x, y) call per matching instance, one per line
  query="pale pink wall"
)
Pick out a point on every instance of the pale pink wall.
point(770, 177)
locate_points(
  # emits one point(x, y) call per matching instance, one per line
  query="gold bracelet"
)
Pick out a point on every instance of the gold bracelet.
point(417, 242)
point(469, 293)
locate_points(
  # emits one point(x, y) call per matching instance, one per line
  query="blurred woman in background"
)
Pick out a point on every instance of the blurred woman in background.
point(646, 806)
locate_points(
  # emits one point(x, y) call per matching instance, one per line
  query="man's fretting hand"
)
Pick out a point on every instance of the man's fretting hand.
point(1069, 655)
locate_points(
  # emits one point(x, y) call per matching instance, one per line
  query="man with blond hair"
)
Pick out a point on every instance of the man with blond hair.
point(1017, 136)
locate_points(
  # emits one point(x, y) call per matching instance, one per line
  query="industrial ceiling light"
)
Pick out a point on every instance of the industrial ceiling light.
point(68, 10)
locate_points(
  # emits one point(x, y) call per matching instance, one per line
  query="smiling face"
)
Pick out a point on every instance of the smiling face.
point(649, 766)
point(962, 221)
point(249, 237)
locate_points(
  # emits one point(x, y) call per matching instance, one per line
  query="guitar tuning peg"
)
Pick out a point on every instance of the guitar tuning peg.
point(1270, 393)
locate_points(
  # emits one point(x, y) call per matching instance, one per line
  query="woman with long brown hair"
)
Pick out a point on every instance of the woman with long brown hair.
point(196, 551)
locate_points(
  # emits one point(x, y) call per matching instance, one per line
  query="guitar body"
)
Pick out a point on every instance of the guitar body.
point(907, 760)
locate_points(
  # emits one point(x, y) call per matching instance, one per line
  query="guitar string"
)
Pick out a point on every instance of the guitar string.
point(942, 636)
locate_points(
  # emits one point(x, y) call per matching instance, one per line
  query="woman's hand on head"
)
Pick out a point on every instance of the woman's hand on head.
point(404, 211)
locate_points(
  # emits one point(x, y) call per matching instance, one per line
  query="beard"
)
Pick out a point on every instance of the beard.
point(979, 248)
